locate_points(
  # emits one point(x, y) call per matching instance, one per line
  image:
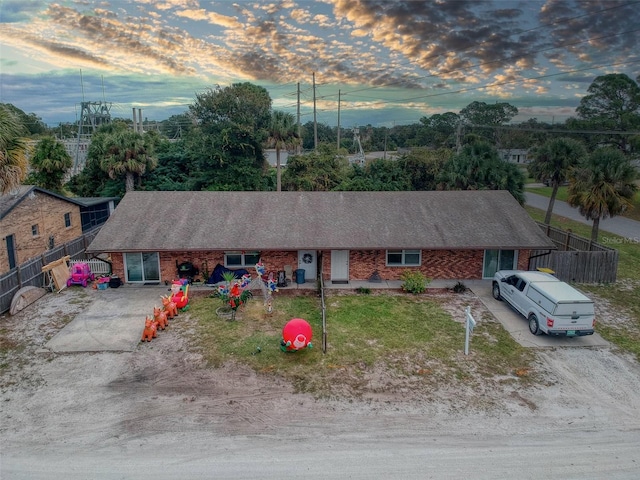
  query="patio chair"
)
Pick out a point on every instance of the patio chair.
point(288, 272)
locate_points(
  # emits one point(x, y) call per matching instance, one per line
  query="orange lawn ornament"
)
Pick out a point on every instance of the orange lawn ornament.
point(169, 306)
point(160, 318)
point(149, 331)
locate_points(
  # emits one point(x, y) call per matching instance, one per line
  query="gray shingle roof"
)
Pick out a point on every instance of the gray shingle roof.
point(169, 221)
point(11, 200)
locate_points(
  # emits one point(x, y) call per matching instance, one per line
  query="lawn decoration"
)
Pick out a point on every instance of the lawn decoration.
point(149, 332)
point(180, 293)
point(234, 293)
point(160, 318)
point(169, 306)
point(271, 284)
point(296, 335)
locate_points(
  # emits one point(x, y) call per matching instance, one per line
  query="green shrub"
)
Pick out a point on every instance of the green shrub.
point(414, 282)
point(363, 290)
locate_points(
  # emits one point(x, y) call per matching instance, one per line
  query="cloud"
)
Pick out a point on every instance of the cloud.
point(210, 17)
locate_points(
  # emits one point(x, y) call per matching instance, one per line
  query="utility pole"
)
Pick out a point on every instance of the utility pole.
point(299, 147)
point(315, 122)
point(338, 120)
point(459, 137)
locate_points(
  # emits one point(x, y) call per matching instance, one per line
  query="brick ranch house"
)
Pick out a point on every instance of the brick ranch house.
point(34, 220)
point(344, 235)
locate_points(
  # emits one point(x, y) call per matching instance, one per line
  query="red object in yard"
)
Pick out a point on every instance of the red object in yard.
point(80, 275)
point(296, 335)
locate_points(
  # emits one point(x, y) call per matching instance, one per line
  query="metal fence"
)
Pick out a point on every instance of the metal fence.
point(30, 272)
point(577, 259)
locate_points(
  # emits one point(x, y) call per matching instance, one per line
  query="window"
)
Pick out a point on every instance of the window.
point(67, 220)
point(34, 230)
point(241, 259)
point(404, 258)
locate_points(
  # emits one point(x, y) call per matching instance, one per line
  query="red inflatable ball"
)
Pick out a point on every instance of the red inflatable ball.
point(296, 335)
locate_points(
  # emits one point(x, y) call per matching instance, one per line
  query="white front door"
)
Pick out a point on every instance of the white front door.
point(339, 265)
point(307, 261)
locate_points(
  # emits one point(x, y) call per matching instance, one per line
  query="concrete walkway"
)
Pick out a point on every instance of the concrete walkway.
point(625, 227)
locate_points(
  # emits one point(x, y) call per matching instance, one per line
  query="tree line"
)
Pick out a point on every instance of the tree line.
point(219, 143)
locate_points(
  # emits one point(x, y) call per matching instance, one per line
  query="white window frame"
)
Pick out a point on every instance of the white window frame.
point(243, 259)
point(403, 262)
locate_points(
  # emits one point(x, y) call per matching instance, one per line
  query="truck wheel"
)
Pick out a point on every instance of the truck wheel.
point(496, 291)
point(534, 327)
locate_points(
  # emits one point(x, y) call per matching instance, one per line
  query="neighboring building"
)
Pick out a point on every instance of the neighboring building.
point(270, 156)
point(34, 220)
point(345, 235)
point(515, 155)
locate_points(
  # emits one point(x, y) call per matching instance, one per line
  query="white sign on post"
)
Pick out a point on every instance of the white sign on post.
point(469, 324)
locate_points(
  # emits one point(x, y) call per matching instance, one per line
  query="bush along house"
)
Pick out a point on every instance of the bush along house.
point(347, 236)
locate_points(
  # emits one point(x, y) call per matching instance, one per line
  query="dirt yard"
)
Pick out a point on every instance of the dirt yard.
point(89, 405)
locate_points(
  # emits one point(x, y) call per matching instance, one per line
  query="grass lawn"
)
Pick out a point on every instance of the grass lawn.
point(405, 336)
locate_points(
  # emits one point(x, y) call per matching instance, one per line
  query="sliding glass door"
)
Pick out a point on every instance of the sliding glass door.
point(142, 267)
point(495, 260)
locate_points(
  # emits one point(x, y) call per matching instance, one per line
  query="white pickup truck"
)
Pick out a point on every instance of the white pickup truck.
point(551, 306)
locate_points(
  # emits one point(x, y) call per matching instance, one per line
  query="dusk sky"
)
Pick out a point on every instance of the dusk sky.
point(394, 61)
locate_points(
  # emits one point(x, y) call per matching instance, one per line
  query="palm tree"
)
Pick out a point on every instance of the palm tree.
point(602, 186)
point(50, 163)
point(282, 135)
point(479, 167)
point(553, 161)
point(13, 151)
point(125, 152)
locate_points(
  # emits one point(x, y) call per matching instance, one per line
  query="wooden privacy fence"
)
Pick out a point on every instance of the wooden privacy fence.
point(577, 259)
point(30, 272)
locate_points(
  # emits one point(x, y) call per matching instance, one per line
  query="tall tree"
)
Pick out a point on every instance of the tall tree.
point(318, 170)
point(480, 114)
point(121, 152)
point(423, 166)
point(13, 150)
point(242, 105)
point(440, 129)
point(602, 186)
point(32, 123)
point(612, 103)
point(479, 167)
point(226, 148)
point(282, 135)
point(553, 161)
point(50, 163)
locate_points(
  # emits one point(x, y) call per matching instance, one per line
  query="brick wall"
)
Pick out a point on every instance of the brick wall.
point(47, 213)
point(436, 264)
point(273, 261)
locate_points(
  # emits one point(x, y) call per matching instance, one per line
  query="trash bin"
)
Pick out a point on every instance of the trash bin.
point(300, 276)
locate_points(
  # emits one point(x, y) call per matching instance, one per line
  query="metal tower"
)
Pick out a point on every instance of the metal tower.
point(92, 116)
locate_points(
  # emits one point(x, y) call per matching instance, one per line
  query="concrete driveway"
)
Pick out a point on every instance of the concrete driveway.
point(518, 326)
point(113, 321)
